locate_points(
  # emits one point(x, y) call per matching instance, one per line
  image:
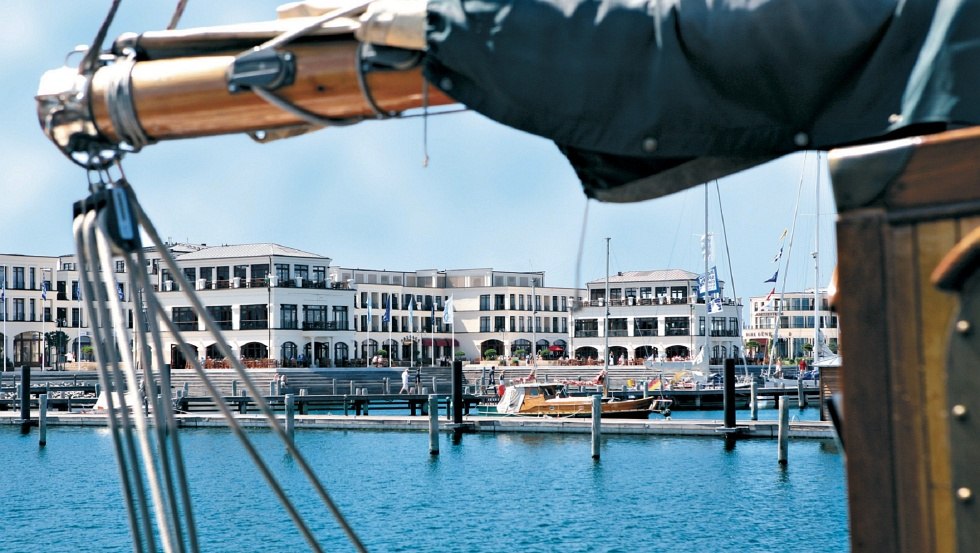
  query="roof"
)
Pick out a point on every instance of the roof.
point(246, 250)
point(656, 275)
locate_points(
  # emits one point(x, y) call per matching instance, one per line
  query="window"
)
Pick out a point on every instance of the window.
point(340, 317)
point(260, 272)
point(484, 324)
point(319, 273)
point(521, 296)
point(513, 324)
point(61, 319)
point(302, 271)
point(221, 315)
point(254, 317)
point(240, 271)
point(221, 277)
point(498, 301)
point(120, 266)
point(513, 301)
point(282, 273)
point(18, 282)
point(677, 326)
point(617, 327)
point(190, 273)
point(184, 318)
point(206, 274)
point(646, 293)
point(18, 309)
point(586, 328)
point(314, 317)
point(287, 316)
point(498, 324)
point(678, 294)
point(700, 326)
point(646, 326)
point(485, 302)
point(76, 317)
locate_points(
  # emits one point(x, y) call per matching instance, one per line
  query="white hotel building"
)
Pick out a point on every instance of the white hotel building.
point(796, 324)
point(279, 305)
point(655, 314)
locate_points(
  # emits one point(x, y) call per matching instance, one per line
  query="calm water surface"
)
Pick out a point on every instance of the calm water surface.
point(494, 493)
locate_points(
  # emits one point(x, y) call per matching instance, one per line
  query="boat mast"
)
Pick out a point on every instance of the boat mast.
point(707, 321)
point(816, 268)
point(605, 323)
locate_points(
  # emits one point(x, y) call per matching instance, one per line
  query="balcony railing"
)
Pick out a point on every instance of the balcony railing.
point(325, 325)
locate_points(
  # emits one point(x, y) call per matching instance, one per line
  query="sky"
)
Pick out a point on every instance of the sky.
point(490, 197)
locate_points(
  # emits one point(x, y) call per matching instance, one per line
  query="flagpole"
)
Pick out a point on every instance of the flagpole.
point(368, 341)
point(44, 298)
point(388, 313)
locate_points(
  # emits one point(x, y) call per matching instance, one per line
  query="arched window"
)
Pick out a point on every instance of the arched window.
point(340, 354)
point(255, 350)
point(288, 352)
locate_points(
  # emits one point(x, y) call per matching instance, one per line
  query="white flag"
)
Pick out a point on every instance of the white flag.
point(411, 313)
point(447, 312)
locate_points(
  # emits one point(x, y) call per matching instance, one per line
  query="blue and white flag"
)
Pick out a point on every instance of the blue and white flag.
point(369, 308)
point(44, 289)
point(387, 316)
point(3, 290)
point(432, 313)
point(411, 313)
point(773, 277)
point(714, 305)
point(447, 312)
point(119, 292)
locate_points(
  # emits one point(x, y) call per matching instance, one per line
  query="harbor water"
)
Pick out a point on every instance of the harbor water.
point(529, 492)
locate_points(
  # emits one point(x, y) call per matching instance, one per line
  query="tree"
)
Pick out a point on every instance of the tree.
point(490, 354)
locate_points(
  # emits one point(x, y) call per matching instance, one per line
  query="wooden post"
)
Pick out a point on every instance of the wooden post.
point(729, 393)
point(433, 424)
point(783, 435)
point(43, 420)
point(754, 402)
point(434, 390)
point(457, 392)
point(243, 404)
point(290, 416)
point(25, 399)
point(234, 388)
point(353, 392)
point(596, 424)
point(333, 386)
point(800, 393)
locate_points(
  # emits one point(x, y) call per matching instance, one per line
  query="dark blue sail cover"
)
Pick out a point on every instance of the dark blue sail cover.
point(646, 98)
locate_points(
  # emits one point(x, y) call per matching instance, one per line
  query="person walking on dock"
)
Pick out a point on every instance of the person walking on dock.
point(404, 389)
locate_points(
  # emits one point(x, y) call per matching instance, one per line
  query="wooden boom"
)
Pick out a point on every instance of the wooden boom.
point(189, 97)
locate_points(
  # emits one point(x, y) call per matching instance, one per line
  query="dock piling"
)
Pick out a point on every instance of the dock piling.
point(433, 424)
point(243, 404)
point(729, 401)
point(754, 400)
point(290, 416)
point(782, 436)
point(43, 420)
point(800, 393)
point(25, 399)
point(596, 425)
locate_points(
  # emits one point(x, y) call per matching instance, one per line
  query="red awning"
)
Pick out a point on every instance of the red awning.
point(427, 341)
point(439, 342)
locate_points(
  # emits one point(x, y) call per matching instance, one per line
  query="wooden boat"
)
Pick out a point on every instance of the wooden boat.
point(551, 399)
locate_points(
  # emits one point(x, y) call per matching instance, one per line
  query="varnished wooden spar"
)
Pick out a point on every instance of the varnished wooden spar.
point(188, 97)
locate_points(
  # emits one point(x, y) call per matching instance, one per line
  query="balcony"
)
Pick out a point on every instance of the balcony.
point(325, 325)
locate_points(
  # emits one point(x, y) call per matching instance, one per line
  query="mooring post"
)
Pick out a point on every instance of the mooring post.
point(333, 386)
point(754, 401)
point(596, 425)
point(433, 424)
point(457, 392)
point(387, 385)
point(243, 404)
point(800, 393)
point(729, 393)
point(42, 420)
point(782, 436)
point(234, 388)
point(353, 392)
point(25, 399)
point(290, 416)
point(434, 390)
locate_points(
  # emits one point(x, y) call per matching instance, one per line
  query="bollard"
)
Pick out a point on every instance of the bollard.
point(645, 384)
point(333, 386)
point(290, 416)
point(352, 391)
point(754, 401)
point(729, 380)
point(43, 420)
point(433, 424)
point(800, 393)
point(782, 436)
point(234, 388)
point(25, 398)
point(457, 391)
point(243, 404)
point(387, 385)
point(434, 389)
point(596, 425)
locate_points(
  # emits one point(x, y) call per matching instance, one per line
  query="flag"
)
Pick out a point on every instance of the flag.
point(714, 305)
point(773, 277)
point(778, 255)
point(771, 292)
point(411, 313)
point(369, 308)
point(387, 316)
point(447, 312)
point(432, 313)
point(653, 384)
point(700, 357)
point(119, 292)
point(3, 290)
point(44, 290)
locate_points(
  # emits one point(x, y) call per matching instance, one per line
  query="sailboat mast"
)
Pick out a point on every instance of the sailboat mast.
point(707, 321)
point(816, 268)
point(605, 323)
